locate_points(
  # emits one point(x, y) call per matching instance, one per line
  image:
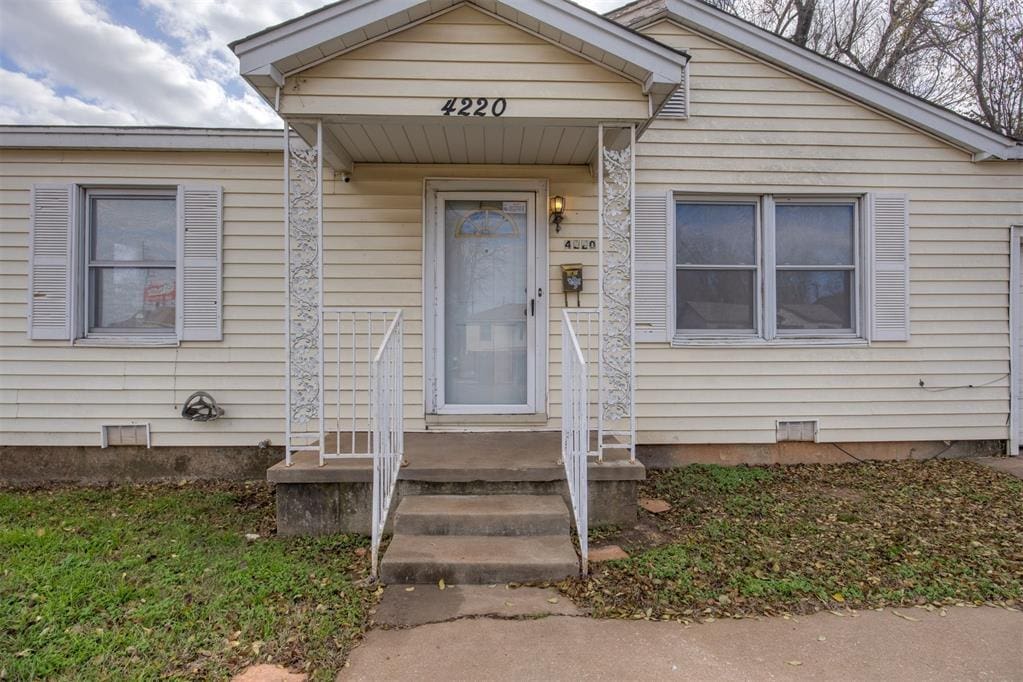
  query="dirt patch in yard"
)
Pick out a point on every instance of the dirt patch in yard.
point(770, 540)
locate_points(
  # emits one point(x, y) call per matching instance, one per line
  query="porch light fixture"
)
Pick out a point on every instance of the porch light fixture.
point(557, 211)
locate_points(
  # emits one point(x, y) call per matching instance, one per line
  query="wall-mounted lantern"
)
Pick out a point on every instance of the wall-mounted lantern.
point(557, 211)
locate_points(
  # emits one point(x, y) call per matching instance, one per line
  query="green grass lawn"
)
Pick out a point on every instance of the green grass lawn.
point(149, 582)
point(755, 540)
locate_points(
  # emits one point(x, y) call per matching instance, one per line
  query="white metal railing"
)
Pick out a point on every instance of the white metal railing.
point(575, 426)
point(366, 386)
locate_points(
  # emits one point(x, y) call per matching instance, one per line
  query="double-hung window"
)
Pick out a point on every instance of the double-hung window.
point(816, 252)
point(131, 269)
point(717, 267)
point(767, 268)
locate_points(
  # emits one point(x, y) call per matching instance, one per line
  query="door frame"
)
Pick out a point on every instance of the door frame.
point(433, 294)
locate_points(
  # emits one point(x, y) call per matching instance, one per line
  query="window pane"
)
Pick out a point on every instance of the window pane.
point(133, 298)
point(714, 299)
point(815, 299)
point(134, 229)
point(818, 234)
point(486, 256)
point(715, 234)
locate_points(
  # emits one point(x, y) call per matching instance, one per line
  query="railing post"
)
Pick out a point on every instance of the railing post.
point(575, 431)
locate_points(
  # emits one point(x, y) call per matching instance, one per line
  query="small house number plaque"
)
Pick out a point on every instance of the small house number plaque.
point(474, 106)
point(581, 244)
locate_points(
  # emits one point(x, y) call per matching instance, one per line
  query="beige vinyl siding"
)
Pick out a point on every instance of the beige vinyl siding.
point(753, 128)
point(54, 394)
point(462, 53)
point(374, 245)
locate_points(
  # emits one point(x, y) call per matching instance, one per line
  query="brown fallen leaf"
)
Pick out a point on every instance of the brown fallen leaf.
point(794, 662)
point(440, 584)
point(553, 600)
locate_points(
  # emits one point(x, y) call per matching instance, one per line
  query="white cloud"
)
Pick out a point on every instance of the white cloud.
point(76, 65)
point(74, 45)
point(24, 100)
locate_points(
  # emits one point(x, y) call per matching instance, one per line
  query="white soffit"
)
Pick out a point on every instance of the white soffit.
point(945, 124)
point(265, 58)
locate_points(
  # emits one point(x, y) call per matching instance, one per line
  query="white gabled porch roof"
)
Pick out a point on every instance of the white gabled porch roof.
point(271, 59)
point(268, 57)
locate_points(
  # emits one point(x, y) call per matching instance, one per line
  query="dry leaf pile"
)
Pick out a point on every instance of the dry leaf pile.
point(769, 540)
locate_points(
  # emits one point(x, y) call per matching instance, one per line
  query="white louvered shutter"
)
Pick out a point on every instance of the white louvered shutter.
point(889, 224)
point(652, 276)
point(49, 277)
point(677, 105)
point(200, 212)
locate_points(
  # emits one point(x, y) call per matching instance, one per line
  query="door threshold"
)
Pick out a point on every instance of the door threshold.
point(485, 422)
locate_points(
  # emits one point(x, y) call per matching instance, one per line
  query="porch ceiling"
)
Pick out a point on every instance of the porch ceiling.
point(489, 142)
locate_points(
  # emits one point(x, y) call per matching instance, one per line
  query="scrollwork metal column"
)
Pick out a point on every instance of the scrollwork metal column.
point(616, 189)
point(303, 218)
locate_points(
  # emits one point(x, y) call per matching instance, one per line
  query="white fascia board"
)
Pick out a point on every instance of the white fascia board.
point(274, 46)
point(101, 137)
point(749, 38)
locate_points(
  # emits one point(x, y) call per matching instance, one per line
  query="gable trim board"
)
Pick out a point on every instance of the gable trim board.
point(268, 57)
point(746, 37)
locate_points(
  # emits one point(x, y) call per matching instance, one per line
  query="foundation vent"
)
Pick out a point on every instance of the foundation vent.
point(124, 434)
point(797, 430)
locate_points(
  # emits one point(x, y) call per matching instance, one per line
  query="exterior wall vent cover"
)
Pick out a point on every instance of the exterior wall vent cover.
point(124, 434)
point(677, 105)
point(793, 430)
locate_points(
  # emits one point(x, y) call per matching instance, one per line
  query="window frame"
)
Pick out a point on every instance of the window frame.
point(766, 286)
point(855, 293)
point(86, 331)
point(757, 268)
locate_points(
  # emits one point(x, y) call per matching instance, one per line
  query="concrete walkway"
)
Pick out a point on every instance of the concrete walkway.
point(1007, 465)
point(902, 644)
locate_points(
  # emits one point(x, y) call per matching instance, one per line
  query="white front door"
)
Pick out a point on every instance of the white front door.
point(482, 337)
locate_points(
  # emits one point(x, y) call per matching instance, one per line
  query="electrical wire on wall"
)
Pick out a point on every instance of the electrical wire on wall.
point(942, 389)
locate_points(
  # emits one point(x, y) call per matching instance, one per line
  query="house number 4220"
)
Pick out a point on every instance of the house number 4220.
point(474, 106)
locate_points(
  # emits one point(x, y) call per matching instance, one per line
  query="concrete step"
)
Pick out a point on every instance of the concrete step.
point(476, 559)
point(482, 515)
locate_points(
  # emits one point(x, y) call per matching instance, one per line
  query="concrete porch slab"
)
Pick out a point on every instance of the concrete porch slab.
point(462, 457)
point(337, 497)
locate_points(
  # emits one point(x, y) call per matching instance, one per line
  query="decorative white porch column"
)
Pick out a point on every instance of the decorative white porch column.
point(616, 190)
point(303, 219)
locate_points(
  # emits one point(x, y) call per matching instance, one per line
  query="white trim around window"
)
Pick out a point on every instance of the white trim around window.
point(767, 269)
point(87, 331)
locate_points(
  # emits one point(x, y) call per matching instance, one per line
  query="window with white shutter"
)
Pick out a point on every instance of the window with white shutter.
point(653, 278)
point(125, 265)
point(889, 239)
point(49, 283)
point(199, 272)
point(815, 269)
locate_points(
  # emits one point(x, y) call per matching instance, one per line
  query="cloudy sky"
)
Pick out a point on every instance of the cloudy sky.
point(137, 62)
